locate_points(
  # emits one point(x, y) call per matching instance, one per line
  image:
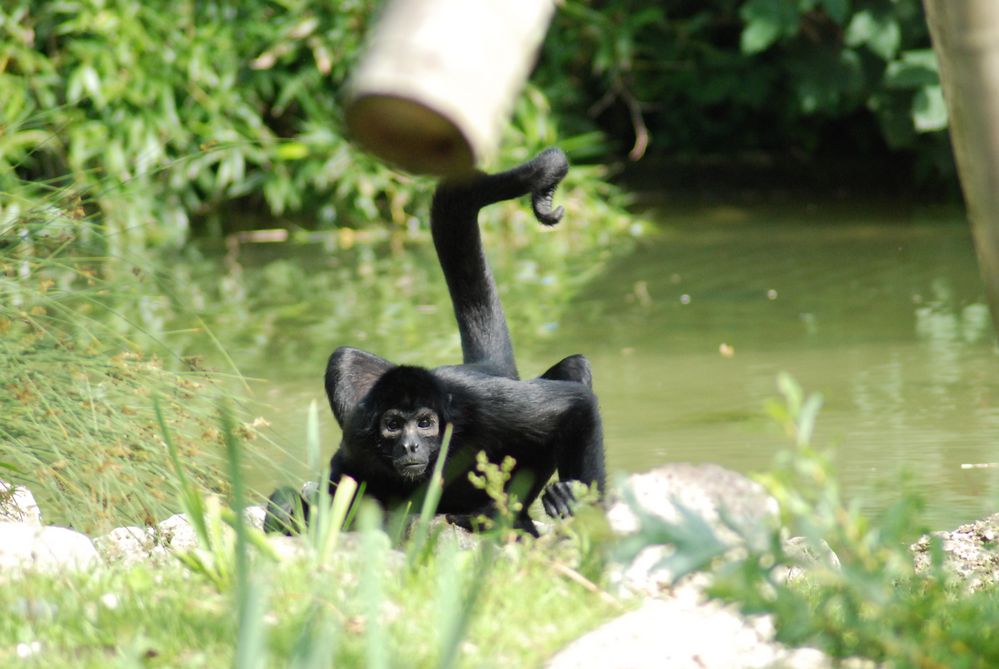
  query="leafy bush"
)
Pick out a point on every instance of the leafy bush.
point(874, 605)
point(799, 77)
point(155, 113)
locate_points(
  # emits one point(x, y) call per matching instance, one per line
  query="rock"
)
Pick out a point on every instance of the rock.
point(708, 490)
point(805, 555)
point(17, 505)
point(49, 549)
point(444, 530)
point(288, 549)
point(969, 552)
point(176, 533)
point(130, 545)
point(254, 516)
point(685, 632)
point(705, 489)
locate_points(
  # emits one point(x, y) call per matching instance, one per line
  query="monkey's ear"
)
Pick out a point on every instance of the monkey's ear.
point(350, 374)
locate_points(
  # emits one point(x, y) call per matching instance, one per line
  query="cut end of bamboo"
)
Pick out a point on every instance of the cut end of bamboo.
point(409, 134)
point(438, 80)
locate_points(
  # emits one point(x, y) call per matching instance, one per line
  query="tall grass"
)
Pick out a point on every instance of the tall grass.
point(453, 593)
point(82, 350)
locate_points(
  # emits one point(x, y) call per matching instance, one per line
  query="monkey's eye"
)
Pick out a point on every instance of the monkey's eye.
point(425, 422)
point(393, 424)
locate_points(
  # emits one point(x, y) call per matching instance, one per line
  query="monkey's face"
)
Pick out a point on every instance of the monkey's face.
point(411, 438)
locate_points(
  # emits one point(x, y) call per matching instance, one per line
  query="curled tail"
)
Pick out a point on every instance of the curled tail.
point(538, 177)
point(485, 340)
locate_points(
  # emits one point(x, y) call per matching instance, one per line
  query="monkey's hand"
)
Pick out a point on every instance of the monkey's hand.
point(550, 167)
point(287, 512)
point(558, 499)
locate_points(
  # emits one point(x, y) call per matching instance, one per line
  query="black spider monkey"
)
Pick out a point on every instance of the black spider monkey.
point(393, 416)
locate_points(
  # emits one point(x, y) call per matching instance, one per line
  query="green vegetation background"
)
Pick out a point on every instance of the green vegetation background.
point(130, 129)
point(154, 114)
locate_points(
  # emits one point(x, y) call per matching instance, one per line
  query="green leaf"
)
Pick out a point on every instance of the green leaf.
point(91, 81)
point(894, 117)
point(792, 392)
point(837, 10)
point(827, 81)
point(758, 36)
point(766, 22)
point(914, 69)
point(292, 151)
point(649, 16)
point(879, 33)
point(929, 111)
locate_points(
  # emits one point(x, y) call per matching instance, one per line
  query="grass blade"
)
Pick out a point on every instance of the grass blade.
point(190, 499)
point(313, 448)
point(333, 516)
point(457, 612)
point(250, 593)
point(372, 586)
point(432, 497)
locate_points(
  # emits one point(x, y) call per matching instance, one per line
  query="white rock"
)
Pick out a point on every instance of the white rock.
point(706, 489)
point(17, 505)
point(129, 545)
point(254, 516)
point(51, 549)
point(177, 533)
point(677, 626)
point(969, 552)
point(288, 549)
point(684, 632)
point(709, 491)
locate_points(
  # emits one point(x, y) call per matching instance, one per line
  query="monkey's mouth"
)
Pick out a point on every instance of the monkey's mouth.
point(411, 468)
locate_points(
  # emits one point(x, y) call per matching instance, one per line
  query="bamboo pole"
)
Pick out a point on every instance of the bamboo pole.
point(966, 40)
point(439, 77)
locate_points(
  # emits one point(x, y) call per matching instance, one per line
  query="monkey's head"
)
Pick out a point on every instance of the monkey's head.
point(404, 415)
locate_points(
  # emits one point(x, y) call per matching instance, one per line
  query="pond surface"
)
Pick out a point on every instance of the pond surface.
point(881, 312)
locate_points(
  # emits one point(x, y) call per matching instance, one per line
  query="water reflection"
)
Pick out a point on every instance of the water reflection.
point(884, 317)
point(882, 313)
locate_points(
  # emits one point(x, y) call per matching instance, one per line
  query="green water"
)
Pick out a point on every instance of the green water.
point(882, 312)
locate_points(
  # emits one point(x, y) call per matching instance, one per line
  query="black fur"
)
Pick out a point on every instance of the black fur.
point(547, 424)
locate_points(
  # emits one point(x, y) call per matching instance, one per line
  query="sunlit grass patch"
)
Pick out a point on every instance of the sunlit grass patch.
point(77, 378)
point(172, 617)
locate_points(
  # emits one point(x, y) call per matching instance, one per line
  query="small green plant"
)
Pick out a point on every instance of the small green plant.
point(874, 605)
point(493, 479)
point(456, 601)
point(251, 589)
